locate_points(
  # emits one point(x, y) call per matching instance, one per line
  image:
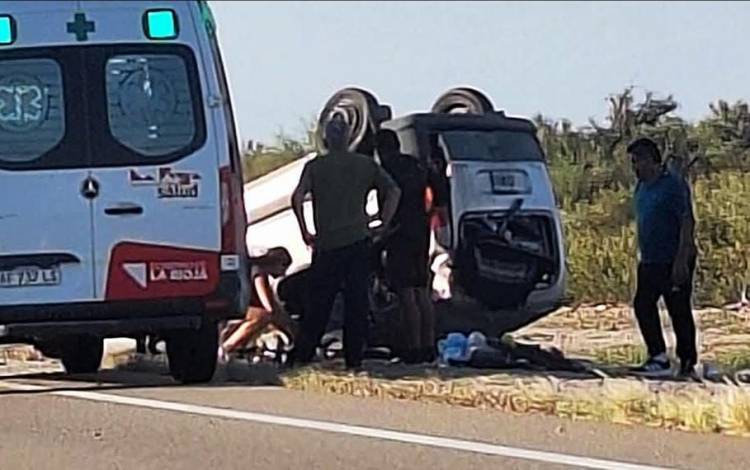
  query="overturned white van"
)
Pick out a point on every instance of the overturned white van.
point(121, 209)
point(497, 252)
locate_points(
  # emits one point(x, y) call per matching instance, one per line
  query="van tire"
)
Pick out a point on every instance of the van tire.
point(81, 354)
point(192, 353)
point(463, 100)
point(362, 113)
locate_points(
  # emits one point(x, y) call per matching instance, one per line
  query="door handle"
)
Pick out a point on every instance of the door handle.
point(124, 209)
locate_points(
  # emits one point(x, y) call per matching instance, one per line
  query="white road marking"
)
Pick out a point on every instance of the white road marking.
point(346, 429)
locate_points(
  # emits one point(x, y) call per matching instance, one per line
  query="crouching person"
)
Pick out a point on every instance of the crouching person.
point(264, 310)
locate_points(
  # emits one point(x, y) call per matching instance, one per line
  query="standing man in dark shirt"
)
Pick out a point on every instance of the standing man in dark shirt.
point(339, 182)
point(407, 250)
point(666, 243)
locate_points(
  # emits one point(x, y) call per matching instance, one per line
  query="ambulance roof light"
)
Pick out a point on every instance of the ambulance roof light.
point(161, 24)
point(7, 30)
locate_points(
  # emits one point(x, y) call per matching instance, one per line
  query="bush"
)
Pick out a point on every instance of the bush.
point(601, 243)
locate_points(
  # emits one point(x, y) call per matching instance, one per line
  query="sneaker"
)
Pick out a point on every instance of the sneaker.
point(222, 356)
point(657, 366)
point(687, 371)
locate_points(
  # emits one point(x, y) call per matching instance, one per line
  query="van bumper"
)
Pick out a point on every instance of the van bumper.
point(103, 328)
point(121, 318)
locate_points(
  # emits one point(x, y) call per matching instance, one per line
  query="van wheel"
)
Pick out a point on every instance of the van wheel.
point(81, 354)
point(362, 113)
point(192, 353)
point(463, 100)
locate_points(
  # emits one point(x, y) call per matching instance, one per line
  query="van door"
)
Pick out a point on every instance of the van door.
point(157, 219)
point(45, 187)
point(491, 169)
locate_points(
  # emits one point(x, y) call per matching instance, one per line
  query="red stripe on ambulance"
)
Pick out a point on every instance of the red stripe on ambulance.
point(143, 271)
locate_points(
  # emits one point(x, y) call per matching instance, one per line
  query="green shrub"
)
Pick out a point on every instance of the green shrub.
point(601, 243)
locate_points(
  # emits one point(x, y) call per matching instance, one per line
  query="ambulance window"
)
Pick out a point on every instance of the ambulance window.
point(32, 117)
point(149, 103)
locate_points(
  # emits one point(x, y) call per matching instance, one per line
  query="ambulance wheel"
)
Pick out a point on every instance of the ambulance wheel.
point(192, 353)
point(81, 354)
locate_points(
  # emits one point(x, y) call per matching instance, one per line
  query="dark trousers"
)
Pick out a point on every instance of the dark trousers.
point(330, 270)
point(654, 281)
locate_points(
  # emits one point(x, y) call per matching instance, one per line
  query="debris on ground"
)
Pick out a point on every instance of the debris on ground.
point(479, 352)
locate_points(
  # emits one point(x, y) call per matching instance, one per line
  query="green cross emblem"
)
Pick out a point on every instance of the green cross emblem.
point(81, 27)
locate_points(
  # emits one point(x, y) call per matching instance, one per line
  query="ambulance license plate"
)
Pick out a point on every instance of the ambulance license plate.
point(30, 277)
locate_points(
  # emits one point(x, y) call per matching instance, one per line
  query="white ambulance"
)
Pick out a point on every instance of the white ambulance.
point(121, 209)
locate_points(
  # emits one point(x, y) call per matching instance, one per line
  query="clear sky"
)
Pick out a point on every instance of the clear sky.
point(563, 59)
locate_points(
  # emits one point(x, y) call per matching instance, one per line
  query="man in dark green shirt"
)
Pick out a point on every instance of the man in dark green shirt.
point(339, 182)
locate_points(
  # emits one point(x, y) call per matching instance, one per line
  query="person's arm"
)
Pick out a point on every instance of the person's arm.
point(681, 267)
point(386, 186)
point(265, 293)
point(298, 199)
point(436, 186)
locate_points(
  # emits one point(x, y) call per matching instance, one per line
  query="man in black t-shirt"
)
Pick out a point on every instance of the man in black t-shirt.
point(407, 251)
point(338, 182)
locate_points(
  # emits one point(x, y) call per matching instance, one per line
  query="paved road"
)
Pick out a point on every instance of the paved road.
point(141, 421)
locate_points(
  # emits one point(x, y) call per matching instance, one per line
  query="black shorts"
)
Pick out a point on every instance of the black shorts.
point(406, 261)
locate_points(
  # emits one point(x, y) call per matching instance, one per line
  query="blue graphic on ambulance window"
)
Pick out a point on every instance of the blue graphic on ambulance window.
point(149, 103)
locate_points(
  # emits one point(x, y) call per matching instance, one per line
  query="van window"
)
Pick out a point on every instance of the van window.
point(99, 106)
point(32, 116)
point(149, 103)
point(495, 145)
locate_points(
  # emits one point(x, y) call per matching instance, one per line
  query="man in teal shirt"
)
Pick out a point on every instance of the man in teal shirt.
point(665, 226)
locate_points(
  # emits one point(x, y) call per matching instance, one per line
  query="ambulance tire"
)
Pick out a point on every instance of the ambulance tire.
point(81, 354)
point(192, 353)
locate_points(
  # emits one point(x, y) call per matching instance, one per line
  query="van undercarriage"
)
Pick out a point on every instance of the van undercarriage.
point(74, 332)
point(501, 260)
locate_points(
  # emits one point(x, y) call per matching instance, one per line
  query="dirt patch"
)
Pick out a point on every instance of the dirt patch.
point(608, 334)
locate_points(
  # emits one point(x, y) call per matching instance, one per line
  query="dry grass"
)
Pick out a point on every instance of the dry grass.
point(686, 406)
point(19, 352)
point(606, 335)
